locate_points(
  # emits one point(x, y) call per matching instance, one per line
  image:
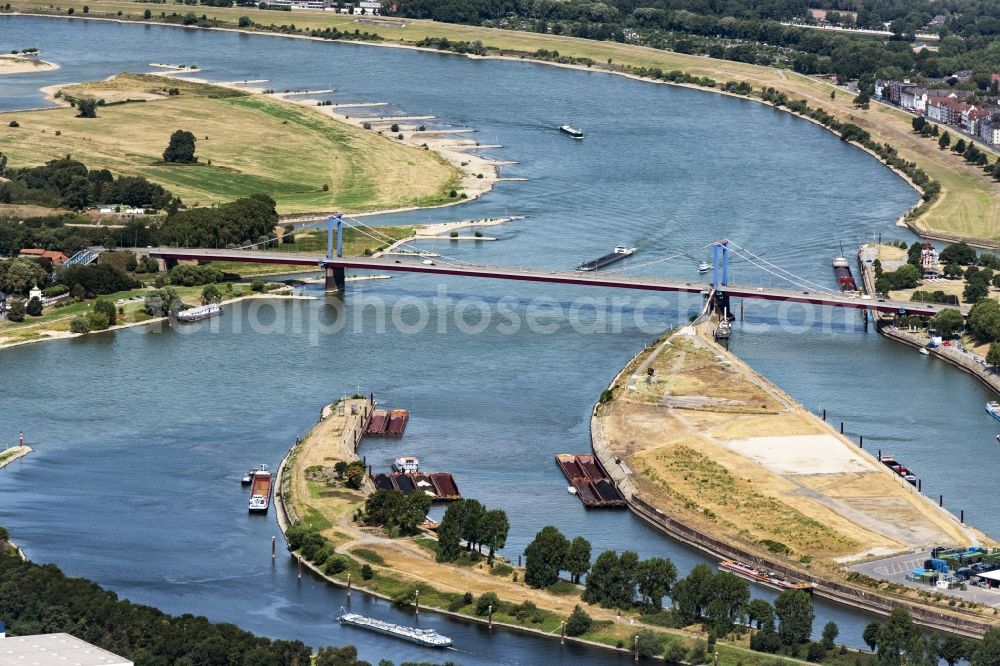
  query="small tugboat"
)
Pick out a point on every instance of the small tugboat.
point(248, 477)
point(406, 464)
point(425, 637)
point(620, 252)
point(199, 313)
point(573, 132)
point(704, 267)
point(993, 407)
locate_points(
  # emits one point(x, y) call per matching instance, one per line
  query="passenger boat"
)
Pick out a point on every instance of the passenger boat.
point(993, 407)
point(923, 350)
point(620, 252)
point(260, 491)
point(425, 637)
point(199, 313)
point(763, 576)
point(573, 132)
point(704, 267)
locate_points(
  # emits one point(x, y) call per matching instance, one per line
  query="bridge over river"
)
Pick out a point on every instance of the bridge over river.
point(335, 267)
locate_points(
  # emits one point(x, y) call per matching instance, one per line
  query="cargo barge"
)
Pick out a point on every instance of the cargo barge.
point(260, 491)
point(439, 486)
point(199, 313)
point(572, 131)
point(620, 252)
point(890, 462)
point(842, 271)
point(589, 481)
point(387, 423)
point(770, 579)
point(425, 637)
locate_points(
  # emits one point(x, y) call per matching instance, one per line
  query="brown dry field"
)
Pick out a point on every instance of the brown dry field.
point(686, 461)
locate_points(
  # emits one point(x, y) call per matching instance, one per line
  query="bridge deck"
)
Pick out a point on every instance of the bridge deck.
point(614, 280)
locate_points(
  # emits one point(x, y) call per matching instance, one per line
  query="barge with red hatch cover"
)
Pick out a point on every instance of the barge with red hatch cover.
point(842, 271)
point(387, 423)
point(589, 481)
point(439, 486)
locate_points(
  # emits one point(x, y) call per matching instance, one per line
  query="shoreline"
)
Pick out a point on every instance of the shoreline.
point(66, 335)
point(597, 68)
point(18, 453)
point(25, 65)
point(721, 548)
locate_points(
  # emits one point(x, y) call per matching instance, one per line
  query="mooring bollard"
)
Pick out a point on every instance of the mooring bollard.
point(841, 427)
point(824, 415)
point(300, 567)
point(940, 500)
point(635, 648)
point(348, 585)
point(274, 541)
point(962, 518)
point(416, 601)
point(490, 618)
point(562, 633)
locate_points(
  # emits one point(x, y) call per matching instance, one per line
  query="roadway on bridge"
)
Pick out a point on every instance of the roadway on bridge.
point(611, 279)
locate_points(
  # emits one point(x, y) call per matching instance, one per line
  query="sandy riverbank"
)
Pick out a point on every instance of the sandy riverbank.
point(710, 452)
point(14, 64)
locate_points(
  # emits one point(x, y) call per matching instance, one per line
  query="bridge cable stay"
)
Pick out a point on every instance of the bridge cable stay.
point(754, 258)
point(791, 278)
point(375, 234)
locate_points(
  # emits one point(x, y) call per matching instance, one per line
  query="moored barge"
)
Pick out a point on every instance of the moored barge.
point(842, 271)
point(260, 491)
point(889, 461)
point(589, 481)
point(387, 423)
point(770, 579)
point(439, 486)
point(199, 313)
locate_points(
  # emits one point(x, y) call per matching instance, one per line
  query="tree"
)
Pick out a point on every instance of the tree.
point(34, 307)
point(355, 474)
point(493, 532)
point(948, 322)
point(760, 613)
point(795, 614)
point(953, 649)
point(544, 557)
point(211, 294)
point(895, 637)
point(147, 14)
point(729, 602)
point(975, 291)
point(577, 561)
point(17, 276)
point(181, 148)
point(87, 108)
point(692, 595)
point(958, 253)
point(830, 633)
point(16, 311)
point(601, 578)
point(987, 653)
point(79, 324)
point(106, 308)
point(449, 539)
point(944, 141)
point(870, 635)
point(919, 122)
point(656, 576)
point(578, 622)
point(485, 602)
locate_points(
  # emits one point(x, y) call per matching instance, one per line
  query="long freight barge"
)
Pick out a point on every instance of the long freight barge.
point(589, 481)
point(765, 577)
point(620, 252)
point(842, 271)
point(260, 491)
point(425, 637)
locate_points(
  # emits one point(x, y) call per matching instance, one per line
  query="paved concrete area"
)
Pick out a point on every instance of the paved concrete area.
point(894, 569)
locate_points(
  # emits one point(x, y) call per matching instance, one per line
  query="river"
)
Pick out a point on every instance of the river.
point(141, 436)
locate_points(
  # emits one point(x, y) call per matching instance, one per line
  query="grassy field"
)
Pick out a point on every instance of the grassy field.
point(245, 144)
point(969, 204)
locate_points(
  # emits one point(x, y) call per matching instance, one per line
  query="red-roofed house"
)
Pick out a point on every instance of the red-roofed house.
point(946, 110)
point(57, 258)
point(971, 118)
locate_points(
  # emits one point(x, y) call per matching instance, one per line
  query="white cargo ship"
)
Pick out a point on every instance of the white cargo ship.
point(199, 313)
point(425, 637)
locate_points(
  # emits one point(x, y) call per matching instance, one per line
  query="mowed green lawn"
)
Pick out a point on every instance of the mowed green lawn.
point(245, 145)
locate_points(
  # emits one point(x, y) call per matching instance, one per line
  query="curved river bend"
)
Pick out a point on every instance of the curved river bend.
point(142, 436)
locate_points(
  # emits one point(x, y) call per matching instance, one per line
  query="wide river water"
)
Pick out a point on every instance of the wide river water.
point(141, 436)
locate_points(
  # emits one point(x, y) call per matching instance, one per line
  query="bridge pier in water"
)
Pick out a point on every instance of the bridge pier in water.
point(335, 280)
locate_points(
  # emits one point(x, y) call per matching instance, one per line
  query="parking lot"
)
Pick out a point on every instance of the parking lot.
point(894, 570)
